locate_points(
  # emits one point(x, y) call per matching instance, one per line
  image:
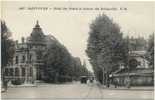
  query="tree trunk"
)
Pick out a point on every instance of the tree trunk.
point(56, 77)
point(103, 76)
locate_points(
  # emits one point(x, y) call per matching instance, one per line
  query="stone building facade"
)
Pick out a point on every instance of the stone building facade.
point(141, 75)
point(27, 62)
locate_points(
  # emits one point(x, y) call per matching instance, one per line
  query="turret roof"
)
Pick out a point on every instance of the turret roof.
point(37, 33)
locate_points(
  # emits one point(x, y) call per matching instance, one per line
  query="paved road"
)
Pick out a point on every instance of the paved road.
point(74, 91)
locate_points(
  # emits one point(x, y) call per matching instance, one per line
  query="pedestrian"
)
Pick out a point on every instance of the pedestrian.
point(115, 83)
point(5, 85)
point(91, 80)
point(128, 82)
point(108, 82)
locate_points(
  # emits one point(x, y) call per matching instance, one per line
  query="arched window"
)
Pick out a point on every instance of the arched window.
point(133, 63)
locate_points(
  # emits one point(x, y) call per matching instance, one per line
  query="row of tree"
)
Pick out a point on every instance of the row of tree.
point(7, 48)
point(60, 65)
point(107, 49)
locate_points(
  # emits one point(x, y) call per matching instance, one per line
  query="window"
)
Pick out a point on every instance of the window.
point(23, 71)
point(30, 58)
point(16, 59)
point(23, 58)
point(16, 72)
point(6, 72)
point(31, 71)
point(11, 71)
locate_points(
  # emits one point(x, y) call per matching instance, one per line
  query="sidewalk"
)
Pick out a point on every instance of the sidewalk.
point(23, 85)
point(134, 88)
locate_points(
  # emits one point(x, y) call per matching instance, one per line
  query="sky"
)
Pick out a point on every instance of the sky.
point(71, 27)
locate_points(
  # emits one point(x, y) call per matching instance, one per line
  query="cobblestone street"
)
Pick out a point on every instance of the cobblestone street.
point(74, 91)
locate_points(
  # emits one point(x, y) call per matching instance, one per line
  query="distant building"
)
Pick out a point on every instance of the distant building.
point(140, 58)
point(27, 62)
point(142, 74)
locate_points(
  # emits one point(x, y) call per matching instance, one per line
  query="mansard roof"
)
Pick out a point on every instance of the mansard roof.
point(38, 37)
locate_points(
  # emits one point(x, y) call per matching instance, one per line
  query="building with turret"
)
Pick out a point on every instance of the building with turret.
point(27, 62)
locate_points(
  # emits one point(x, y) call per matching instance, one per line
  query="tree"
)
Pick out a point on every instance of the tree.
point(57, 61)
point(60, 65)
point(7, 47)
point(150, 50)
point(106, 47)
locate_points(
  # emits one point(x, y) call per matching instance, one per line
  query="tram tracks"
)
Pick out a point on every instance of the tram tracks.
point(92, 88)
point(100, 90)
point(89, 91)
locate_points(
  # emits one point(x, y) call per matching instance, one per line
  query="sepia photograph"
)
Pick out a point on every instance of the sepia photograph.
point(81, 50)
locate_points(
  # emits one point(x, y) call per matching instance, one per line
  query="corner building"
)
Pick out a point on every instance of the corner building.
point(27, 62)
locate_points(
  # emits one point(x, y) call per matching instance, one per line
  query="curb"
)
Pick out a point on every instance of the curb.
point(130, 89)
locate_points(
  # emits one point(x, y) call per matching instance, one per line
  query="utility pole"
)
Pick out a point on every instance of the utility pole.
point(128, 67)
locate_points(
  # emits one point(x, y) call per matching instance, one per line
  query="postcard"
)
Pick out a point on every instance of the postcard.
point(77, 50)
